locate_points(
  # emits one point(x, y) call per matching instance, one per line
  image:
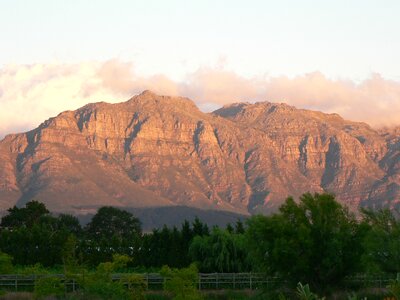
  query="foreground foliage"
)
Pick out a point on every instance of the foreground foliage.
point(181, 283)
point(315, 241)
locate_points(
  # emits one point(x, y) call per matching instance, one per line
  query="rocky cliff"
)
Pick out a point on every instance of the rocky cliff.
point(163, 151)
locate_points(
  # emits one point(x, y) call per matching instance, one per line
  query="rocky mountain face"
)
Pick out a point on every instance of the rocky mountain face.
point(154, 151)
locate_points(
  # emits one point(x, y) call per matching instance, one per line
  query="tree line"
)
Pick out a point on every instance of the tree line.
point(314, 240)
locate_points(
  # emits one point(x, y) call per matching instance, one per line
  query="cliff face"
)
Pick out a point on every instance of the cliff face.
point(161, 151)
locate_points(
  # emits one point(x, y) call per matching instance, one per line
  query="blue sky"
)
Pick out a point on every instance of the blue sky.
point(334, 56)
point(346, 39)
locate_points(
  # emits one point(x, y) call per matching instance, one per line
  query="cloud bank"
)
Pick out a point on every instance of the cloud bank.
point(29, 94)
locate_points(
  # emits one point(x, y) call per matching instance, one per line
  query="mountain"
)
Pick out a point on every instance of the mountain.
point(160, 151)
point(156, 217)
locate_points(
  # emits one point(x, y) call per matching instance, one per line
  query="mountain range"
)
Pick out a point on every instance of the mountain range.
point(159, 151)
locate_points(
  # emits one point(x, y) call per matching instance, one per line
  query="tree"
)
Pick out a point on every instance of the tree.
point(230, 228)
point(111, 221)
point(111, 231)
point(186, 238)
point(199, 228)
point(381, 242)
point(239, 227)
point(221, 251)
point(69, 223)
point(25, 216)
point(316, 241)
point(32, 235)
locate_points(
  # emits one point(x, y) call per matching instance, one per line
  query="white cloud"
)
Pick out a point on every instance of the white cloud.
point(29, 94)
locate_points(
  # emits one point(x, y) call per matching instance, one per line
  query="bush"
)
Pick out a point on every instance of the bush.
point(6, 266)
point(182, 282)
point(136, 285)
point(105, 290)
point(304, 293)
point(48, 286)
point(394, 287)
point(101, 285)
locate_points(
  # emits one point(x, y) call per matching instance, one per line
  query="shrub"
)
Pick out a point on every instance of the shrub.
point(105, 290)
point(6, 266)
point(48, 286)
point(182, 282)
point(101, 284)
point(394, 287)
point(136, 285)
point(304, 293)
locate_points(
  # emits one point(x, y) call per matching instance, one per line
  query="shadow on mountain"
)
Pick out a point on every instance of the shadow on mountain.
point(157, 217)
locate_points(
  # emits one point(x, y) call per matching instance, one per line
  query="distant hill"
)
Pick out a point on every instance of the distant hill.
point(157, 151)
point(157, 217)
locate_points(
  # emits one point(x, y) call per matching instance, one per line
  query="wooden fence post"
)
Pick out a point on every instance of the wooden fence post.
point(200, 282)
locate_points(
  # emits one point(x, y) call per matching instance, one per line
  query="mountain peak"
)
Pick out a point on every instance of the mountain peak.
point(150, 100)
point(157, 150)
point(148, 93)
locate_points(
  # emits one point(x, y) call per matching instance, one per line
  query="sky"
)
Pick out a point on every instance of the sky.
point(335, 56)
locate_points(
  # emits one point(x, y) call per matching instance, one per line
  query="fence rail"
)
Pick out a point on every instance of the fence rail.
point(206, 281)
point(153, 281)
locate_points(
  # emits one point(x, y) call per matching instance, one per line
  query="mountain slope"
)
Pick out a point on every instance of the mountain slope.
point(163, 151)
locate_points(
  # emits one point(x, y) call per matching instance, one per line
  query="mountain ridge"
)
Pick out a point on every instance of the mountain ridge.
point(157, 150)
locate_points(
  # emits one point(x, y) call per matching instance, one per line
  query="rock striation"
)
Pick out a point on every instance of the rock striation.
point(154, 150)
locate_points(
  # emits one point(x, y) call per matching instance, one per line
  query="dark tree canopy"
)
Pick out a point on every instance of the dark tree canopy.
point(111, 222)
point(25, 216)
point(315, 241)
point(70, 223)
point(221, 251)
point(382, 241)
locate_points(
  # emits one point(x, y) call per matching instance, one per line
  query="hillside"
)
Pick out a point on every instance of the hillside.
point(158, 151)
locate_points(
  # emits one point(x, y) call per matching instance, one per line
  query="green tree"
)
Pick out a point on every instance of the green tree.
point(25, 216)
point(199, 228)
point(239, 227)
point(221, 251)
point(315, 241)
point(40, 242)
point(110, 231)
point(187, 235)
point(381, 242)
point(69, 223)
point(111, 221)
point(230, 228)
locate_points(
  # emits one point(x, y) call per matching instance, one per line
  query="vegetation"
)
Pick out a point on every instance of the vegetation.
point(221, 251)
point(48, 286)
point(315, 241)
point(181, 283)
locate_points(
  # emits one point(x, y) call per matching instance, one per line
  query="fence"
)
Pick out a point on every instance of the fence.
point(215, 281)
point(206, 281)
point(153, 281)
